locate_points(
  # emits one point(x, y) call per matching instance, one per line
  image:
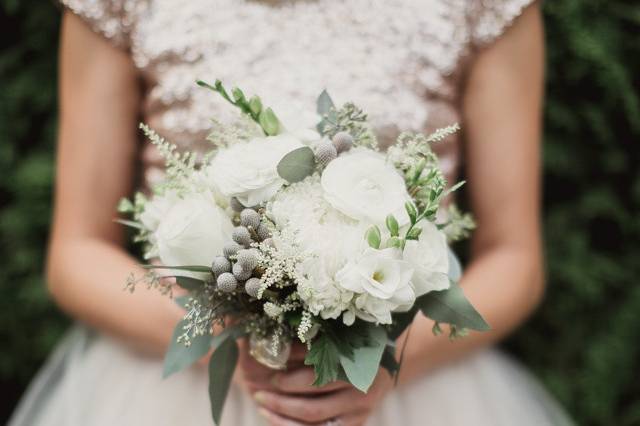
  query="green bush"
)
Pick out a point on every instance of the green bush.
point(585, 340)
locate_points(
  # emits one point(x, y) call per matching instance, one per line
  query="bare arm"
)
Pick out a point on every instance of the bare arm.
point(87, 266)
point(502, 106)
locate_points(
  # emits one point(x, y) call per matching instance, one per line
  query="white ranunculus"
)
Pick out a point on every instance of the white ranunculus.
point(363, 186)
point(248, 170)
point(193, 231)
point(382, 283)
point(429, 256)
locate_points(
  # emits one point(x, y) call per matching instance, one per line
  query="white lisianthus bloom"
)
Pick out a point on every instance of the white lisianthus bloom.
point(363, 186)
point(321, 293)
point(382, 283)
point(429, 256)
point(248, 170)
point(193, 231)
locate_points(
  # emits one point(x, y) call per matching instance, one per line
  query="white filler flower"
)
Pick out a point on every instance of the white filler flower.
point(382, 282)
point(363, 186)
point(429, 256)
point(248, 170)
point(193, 231)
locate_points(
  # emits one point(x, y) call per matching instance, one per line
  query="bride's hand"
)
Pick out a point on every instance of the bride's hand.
point(292, 401)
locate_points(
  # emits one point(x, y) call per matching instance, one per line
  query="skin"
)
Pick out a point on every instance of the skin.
point(100, 98)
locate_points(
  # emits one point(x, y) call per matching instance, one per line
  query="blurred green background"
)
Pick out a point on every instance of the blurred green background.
point(584, 342)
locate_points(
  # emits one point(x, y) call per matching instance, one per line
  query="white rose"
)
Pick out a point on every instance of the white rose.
point(382, 281)
point(248, 170)
point(429, 256)
point(193, 231)
point(156, 208)
point(363, 186)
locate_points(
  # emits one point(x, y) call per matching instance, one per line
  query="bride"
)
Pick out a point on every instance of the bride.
point(413, 64)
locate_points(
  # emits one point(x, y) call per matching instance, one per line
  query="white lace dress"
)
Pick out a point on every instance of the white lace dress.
point(403, 61)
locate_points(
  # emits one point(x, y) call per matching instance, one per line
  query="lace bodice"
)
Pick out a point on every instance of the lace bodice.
point(403, 61)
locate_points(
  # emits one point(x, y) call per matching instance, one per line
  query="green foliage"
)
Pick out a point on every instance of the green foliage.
point(585, 340)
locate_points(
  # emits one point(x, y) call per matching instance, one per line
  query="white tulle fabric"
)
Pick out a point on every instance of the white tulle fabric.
point(94, 381)
point(402, 60)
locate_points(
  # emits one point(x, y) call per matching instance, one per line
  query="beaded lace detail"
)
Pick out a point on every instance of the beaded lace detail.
point(400, 60)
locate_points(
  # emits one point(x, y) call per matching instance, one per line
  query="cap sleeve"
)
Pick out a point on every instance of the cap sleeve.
point(112, 19)
point(489, 19)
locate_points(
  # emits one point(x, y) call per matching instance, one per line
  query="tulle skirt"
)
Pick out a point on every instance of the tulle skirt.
point(91, 380)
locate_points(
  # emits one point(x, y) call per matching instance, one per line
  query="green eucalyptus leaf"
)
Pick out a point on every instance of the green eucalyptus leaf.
point(373, 237)
point(269, 122)
point(179, 356)
point(455, 269)
point(324, 103)
point(392, 225)
point(362, 368)
point(297, 164)
point(450, 306)
point(221, 368)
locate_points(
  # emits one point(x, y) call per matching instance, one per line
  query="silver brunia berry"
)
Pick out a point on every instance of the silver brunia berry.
point(242, 236)
point(343, 141)
point(325, 153)
point(240, 273)
point(220, 265)
point(227, 282)
point(250, 218)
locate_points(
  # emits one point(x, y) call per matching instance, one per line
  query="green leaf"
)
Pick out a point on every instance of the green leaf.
point(182, 301)
point(179, 356)
point(189, 283)
point(324, 356)
point(373, 237)
point(125, 206)
point(221, 367)
point(255, 105)
point(411, 211)
point(129, 223)
point(388, 361)
point(392, 225)
point(394, 242)
point(269, 122)
point(297, 164)
point(362, 368)
point(324, 104)
point(230, 332)
point(238, 95)
point(414, 233)
point(191, 268)
point(450, 306)
point(455, 269)
point(401, 320)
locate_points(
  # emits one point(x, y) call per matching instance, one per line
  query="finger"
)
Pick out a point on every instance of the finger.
point(301, 381)
point(274, 419)
point(314, 409)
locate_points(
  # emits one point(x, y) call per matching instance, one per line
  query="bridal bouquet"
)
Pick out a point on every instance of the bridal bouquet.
point(283, 234)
